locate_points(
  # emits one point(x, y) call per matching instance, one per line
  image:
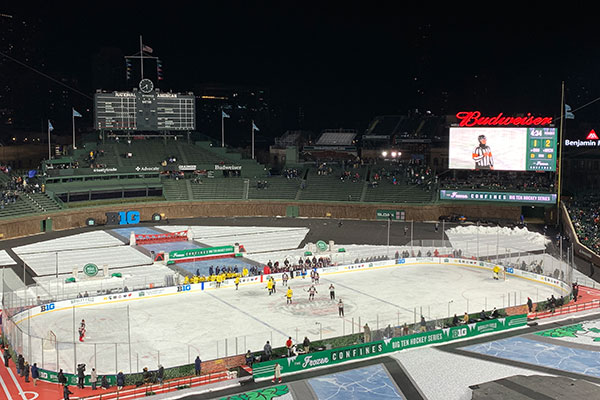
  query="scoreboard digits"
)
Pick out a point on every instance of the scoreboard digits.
point(541, 149)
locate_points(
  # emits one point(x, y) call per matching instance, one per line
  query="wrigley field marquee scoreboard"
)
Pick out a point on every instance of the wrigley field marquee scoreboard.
point(146, 109)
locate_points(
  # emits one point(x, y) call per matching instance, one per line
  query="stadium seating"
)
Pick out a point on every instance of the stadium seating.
point(331, 187)
point(277, 187)
point(218, 189)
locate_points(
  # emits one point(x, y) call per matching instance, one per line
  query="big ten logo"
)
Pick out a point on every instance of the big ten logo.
point(183, 288)
point(401, 261)
point(47, 307)
point(122, 218)
point(460, 332)
point(510, 270)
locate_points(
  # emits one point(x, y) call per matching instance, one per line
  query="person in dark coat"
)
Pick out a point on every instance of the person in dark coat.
point(26, 371)
point(20, 364)
point(66, 392)
point(198, 365)
point(160, 374)
point(6, 356)
point(62, 379)
point(80, 375)
point(120, 380)
point(35, 374)
point(104, 382)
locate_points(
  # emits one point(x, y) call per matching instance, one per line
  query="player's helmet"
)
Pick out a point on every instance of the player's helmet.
point(481, 137)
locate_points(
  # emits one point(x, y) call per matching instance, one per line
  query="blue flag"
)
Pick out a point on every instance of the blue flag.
point(568, 113)
point(224, 114)
point(76, 114)
point(255, 127)
point(31, 173)
point(50, 127)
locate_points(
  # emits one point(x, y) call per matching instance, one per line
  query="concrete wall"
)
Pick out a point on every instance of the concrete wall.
point(75, 218)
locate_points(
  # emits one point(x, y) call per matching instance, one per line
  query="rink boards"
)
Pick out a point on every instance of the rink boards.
point(183, 289)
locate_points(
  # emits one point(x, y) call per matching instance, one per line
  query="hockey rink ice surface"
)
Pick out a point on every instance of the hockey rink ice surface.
point(174, 329)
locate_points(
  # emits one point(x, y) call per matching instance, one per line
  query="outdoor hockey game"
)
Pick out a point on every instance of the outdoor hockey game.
point(138, 329)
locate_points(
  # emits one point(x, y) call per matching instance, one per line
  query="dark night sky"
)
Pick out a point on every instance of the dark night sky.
point(345, 61)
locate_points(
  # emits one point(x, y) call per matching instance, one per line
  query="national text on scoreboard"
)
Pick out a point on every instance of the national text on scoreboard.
point(137, 111)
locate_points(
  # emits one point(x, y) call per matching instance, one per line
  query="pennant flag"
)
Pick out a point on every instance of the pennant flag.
point(592, 135)
point(255, 127)
point(568, 113)
point(224, 114)
point(76, 114)
point(147, 49)
point(50, 127)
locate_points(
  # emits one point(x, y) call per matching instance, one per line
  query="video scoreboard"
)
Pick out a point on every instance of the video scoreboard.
point(506, 149)
point(144, 110)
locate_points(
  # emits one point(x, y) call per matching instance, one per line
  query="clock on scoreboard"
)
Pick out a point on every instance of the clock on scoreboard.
point(146, 109)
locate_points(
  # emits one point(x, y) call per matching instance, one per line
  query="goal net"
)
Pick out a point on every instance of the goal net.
point(49, 342)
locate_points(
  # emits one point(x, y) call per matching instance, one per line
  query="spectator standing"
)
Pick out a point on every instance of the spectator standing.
point(277, 373)
point(423, 324)
point(367, 333)
point(288, 345)
point(26, 371)
point(6, 356)
point(160, 374)
point(120, 380)
point(268, 351)
point(306, 344)
point(93, 378)
point(529, 304)
point(35, 374)
point(198, 365)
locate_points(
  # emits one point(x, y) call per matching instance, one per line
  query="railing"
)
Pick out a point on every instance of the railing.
point(110, 357)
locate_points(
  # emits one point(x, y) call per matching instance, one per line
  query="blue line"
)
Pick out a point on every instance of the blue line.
point(249, 315)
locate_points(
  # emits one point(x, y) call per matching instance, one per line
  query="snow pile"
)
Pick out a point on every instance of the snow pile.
point(486, 239)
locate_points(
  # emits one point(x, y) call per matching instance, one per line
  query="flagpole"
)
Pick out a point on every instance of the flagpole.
point(49, 152)
point(222, 129)
point(141, 58)
point(562, 110)
point(73, 118)
point(253, 139)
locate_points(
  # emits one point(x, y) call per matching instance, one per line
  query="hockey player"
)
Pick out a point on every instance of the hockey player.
point(317, 277)
point(237, 282)
point(288, 295)
point(331, 292)
point(82, 330)
point(496, 272)
point(270, 286)
point(311, 292)
point(284, 279)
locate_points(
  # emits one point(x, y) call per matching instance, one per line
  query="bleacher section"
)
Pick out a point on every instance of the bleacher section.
point(386, 192)
point(278, 187)
point(219, 189)
point(331, 187)
point(30, 203)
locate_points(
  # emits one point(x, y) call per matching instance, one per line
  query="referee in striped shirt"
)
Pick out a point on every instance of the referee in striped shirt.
point(482, 155)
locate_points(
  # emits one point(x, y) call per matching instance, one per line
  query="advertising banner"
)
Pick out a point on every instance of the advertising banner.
point(205, 252)
point(471, 195)
point(304, 362)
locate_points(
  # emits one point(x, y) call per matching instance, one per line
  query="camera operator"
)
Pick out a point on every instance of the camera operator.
point(80, 375)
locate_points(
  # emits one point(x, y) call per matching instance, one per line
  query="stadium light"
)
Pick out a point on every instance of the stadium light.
point(393, 154)
point(384, 153)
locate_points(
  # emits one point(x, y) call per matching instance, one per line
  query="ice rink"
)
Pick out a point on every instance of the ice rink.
point(173, 329)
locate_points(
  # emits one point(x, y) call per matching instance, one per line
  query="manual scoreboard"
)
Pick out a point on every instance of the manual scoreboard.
point(146, 109)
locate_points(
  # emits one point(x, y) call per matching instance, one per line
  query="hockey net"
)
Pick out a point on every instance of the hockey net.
point(49, 342)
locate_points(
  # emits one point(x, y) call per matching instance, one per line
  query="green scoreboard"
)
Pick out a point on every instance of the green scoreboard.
point(541, 149)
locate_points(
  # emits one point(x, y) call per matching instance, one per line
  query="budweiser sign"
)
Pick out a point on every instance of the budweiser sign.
point(474, 118)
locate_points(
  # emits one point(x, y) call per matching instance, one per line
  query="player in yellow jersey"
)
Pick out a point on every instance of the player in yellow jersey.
point(288, 295)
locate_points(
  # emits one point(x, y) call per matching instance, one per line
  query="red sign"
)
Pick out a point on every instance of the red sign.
point(474, 118)
point(592, 135)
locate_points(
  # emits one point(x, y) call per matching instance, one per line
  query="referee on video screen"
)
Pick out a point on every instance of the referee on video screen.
point(482, 155)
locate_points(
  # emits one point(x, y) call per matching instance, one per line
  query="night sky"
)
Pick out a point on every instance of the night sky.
point(344, 62)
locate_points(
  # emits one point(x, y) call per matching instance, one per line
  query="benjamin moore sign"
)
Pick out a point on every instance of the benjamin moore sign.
point(206, 252)
point(304, 362)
